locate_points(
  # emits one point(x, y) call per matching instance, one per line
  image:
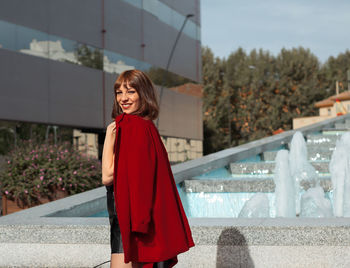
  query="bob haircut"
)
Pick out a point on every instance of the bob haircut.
point(144, 87)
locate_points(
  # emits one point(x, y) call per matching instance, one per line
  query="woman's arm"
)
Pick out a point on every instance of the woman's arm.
point(108, 155)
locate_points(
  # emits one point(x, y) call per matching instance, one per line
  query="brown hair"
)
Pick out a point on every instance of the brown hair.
point(144, 87)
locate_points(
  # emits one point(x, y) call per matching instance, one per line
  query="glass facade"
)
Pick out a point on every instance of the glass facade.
point(59, 50)
point(36, 43)
point(167, 15)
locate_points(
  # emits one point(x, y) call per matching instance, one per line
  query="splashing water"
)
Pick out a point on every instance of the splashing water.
point(256, 207)
point(285, 188)
point(340, 172)
point(314, 204)
point(300, 168)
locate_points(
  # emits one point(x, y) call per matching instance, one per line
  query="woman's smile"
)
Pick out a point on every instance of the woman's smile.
point(128, 99)
point(126, 105)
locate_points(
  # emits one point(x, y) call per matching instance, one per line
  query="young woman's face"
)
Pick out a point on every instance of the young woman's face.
point(128, 99)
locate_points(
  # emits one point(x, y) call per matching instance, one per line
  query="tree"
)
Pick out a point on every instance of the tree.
point(213, 112)
point(250, 96)
point(297, 88)
point(335, 69)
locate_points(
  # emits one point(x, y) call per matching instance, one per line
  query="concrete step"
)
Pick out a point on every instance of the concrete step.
point(313, 155)
point(344, 125)
point(347, 123)
point(243, 185)
point(323, 147)
point(322, 139)
point(265, 168)
point(333, 131)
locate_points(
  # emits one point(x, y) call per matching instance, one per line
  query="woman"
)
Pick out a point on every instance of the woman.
point(149, 227)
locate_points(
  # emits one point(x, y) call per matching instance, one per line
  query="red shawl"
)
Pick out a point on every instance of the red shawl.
point(152, 220)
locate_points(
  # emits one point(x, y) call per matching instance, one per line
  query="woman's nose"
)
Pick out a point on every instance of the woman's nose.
point(124, 97)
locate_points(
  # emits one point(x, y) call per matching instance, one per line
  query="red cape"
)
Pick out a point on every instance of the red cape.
point(152, 221)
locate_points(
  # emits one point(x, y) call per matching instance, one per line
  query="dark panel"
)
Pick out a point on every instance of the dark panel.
point(127, 29)
point(38, 90)
point(75, 96)
point(159, 40)
point(125, 35)
point(180, 115)
point(109, 96)
point(79, 20)
point(123, 25)
point(30, 13)
point(185, 7)
point(23, 87)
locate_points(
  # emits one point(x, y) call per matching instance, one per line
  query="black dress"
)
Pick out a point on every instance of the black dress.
point(116, 238)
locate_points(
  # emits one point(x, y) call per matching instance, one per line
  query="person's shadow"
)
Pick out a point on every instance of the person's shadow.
point(232, 250)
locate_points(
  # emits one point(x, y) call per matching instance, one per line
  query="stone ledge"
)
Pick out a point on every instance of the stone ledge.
point(244, 185)
point(206, 231)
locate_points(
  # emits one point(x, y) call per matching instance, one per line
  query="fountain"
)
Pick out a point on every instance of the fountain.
point(314, 204)
point(256, 207)
point(340, 172)
point(300, 168)
point(285, 186)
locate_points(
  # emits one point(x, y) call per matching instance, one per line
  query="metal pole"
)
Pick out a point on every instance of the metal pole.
point(170, 58)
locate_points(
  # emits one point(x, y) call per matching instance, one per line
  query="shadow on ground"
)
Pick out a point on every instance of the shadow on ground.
point(232, 250)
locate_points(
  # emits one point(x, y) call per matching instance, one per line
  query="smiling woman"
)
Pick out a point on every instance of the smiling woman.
point(134, 93)
point(128, 99)
point(149, 227)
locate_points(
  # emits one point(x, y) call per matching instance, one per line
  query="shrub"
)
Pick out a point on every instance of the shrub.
point(34, 171)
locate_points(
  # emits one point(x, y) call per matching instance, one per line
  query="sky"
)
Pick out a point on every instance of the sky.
point(323, 26)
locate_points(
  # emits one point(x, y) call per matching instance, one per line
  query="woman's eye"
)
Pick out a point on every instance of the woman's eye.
point(118, 92)
point(131, 91)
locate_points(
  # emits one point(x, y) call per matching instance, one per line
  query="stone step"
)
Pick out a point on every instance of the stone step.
point(243, 185)
point(265, 168)
point(333, 131)
point(322, 139)
point(323, 147)
point(342, 126)
point(313, 155)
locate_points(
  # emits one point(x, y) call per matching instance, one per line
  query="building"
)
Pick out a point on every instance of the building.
point(333, 106)
point(59, 61)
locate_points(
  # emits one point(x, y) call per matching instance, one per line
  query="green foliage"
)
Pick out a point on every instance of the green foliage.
point(335, 69)
point(298, 86)
point(215, 129)
point(34, 171)
point(250, 96)
point(23, 130)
